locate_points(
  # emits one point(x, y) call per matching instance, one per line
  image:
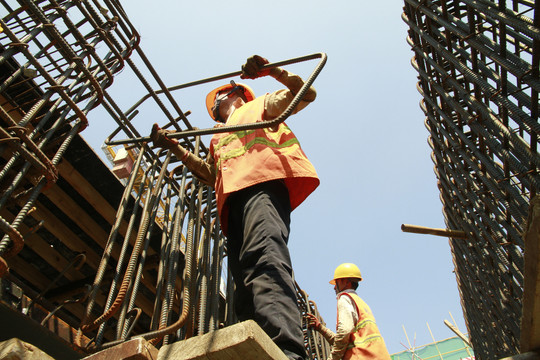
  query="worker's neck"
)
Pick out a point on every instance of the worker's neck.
point(232, 109)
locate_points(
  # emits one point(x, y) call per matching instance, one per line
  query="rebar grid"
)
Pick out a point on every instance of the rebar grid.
point(61, 57)
point(478, 66)
point(52, 76)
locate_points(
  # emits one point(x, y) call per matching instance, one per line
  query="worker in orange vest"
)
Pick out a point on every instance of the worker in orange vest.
point(259, 177)
point(357, 335)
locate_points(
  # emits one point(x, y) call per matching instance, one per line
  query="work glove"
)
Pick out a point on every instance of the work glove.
point(159, 138)
point(252, 68)
point(313, 322)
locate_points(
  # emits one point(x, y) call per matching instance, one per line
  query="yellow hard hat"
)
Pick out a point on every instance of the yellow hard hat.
point(345, 271)
point(211, 97)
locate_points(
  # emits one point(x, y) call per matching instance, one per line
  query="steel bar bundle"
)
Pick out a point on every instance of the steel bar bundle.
point(478, 67)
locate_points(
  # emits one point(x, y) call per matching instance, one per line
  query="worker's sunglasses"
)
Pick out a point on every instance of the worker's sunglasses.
point(221, 97)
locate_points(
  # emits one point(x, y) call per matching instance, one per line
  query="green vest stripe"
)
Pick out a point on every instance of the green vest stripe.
point(231, 137)
point(240, 134)
point(258, 140)
point(363, 324)
point(364, 341)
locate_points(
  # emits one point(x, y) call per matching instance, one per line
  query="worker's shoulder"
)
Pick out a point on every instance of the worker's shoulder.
point(349, 296)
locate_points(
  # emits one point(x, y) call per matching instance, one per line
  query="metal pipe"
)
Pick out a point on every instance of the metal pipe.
point(458, 234)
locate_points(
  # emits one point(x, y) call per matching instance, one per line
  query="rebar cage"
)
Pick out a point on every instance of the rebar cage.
point(478, 64)
point(150, 262)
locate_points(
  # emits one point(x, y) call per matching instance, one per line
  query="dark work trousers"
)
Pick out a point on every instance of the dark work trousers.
point(259, 219)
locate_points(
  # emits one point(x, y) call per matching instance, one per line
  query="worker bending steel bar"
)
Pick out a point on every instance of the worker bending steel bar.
point(259, 175)
point(299, 95)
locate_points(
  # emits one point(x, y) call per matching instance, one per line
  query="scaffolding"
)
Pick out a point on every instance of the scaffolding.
point(478, 67)
point(162, 268)
point(448, 349)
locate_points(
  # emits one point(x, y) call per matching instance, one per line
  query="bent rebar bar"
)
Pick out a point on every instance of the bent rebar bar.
point(286, 113)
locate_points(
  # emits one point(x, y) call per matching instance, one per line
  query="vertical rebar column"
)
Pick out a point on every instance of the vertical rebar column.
point(477, 62)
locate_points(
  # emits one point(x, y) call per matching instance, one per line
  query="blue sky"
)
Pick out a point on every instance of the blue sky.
point(364, 134)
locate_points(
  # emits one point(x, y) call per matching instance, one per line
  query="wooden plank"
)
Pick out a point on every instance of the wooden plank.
point(54, 324)
point(530, 320)
point(40, 281)
point(28, 272)
point(80, 217)
point(90, 194)
point(136, 349)
point(63, 233)
point(68, 238)
point(44, 250)
point(69, 207)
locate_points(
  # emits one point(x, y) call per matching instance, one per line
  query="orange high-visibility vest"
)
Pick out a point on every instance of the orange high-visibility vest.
point(366, 341)
point(246, 158)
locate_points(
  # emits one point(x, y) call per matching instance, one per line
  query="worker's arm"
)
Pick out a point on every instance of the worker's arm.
point(328, 334)
point(315, 324)
point(203, 170)
point(345, 326)
point(278, 101)
point(294, 83)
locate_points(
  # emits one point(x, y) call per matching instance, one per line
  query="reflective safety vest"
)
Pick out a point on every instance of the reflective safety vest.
point(248, 157)
point(366, 341)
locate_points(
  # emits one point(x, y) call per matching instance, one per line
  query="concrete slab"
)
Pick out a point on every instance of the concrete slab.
point(245, 340)
point(136, 349)
point(15, 349)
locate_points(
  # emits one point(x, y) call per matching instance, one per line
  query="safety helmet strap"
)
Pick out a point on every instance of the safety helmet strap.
point(217, 102)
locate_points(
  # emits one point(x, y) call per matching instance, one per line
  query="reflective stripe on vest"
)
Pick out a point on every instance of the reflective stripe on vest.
point(366, 341)
point(266, 141)
point(248, 157)
point(363, 324)
point(363, 341)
